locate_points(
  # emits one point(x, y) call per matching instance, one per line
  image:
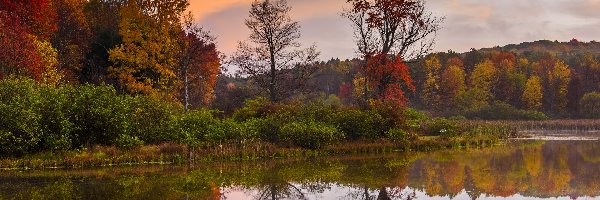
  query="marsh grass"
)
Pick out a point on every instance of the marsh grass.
point(576, 125)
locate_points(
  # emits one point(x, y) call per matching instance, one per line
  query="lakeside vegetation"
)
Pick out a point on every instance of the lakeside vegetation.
point(87, 125)
point(139, 82)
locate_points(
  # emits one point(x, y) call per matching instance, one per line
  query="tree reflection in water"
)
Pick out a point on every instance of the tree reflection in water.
point(544, 170)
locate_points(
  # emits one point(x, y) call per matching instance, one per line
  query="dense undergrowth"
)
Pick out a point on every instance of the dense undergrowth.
point(67, 121)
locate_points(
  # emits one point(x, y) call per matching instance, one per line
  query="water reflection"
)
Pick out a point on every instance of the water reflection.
point(533, 169)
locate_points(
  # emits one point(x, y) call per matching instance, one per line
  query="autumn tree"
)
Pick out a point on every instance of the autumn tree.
point(103, 20)
point(25, 50)
point(71, 37)
point(452, 82)
point(559, 79)
point(390, 80)
point(431, 88)
point(481, 83)
point(146, 61)
point(484, 78)
point(37, 15)
point(391, 27)
point(274, 60)
point(18, 55)
point(533, 94)
point(199, 64)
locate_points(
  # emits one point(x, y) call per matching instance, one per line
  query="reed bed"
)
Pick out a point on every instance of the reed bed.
point(576, 125)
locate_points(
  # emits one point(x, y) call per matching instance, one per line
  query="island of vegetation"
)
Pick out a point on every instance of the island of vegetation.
point(100, 83)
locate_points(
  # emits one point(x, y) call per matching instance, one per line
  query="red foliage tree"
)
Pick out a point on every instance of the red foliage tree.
point(200, 64)
point(389, 77)
point(38, 15)
point(345, 92)
point(18, 54)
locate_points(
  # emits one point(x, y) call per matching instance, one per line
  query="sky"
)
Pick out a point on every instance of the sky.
point(468, 24)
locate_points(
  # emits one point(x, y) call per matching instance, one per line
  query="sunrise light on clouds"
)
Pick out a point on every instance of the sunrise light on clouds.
point(468, 24)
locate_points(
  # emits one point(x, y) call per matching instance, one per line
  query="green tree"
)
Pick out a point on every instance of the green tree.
point(533, 94)
point(590, 105)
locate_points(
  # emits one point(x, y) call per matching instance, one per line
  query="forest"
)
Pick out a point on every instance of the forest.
point(79, 77)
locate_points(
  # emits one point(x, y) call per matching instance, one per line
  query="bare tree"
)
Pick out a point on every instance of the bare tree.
point(275, 61)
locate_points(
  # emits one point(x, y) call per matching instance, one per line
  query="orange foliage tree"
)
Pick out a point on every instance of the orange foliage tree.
point(199, 65)
point(388, 76)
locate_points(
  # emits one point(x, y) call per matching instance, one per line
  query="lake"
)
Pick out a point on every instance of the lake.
point(517, 170)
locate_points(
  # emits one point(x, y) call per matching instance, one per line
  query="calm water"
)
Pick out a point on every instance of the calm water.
point(519, 170)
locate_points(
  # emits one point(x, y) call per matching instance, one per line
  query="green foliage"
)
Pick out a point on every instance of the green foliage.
point(400, 136)
point(20, 130)
point(42, 117)
point(440, 127)
point(193, 127)
point(128, 141)
point(310, 134)
point(504, 111)
point(590, 105)
point(359, 124)
point(253, 108)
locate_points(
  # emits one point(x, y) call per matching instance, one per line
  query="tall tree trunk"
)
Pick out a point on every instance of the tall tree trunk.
point(272, 82)
point(187, 94)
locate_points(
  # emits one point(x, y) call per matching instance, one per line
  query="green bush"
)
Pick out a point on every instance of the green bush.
point(590, 105)
point(400, 136)
point(440, 127)
point(309, 134)
point(504, 111)
point(253, 108)
point(194, 127)
point(20, 129)
point(100, 115)
point(357, 124)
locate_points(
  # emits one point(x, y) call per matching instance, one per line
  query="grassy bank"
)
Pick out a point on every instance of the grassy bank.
point(177, 154)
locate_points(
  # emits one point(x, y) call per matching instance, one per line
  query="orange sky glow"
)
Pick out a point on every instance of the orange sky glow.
point(468, 24)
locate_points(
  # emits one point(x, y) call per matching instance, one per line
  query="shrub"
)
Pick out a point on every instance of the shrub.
point(309, 134)
point(20, 130)
point(151, 117)
point(504, 111)
point(253, 108)
point(394, 114)
point(400, 136)
point(358, 124)
point(100, 115)
point(590, 105)
point(127, 141)
point(440, 127)
point(194, 127)
point(414, 118)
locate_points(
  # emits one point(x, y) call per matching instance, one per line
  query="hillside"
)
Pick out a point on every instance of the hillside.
point(554, 47)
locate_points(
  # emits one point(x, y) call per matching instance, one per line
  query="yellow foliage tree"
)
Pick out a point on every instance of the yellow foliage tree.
point(48, 57)
point(484, 77)
point(431, 87)
point(146, 61)
point(533, 94)
point(560, 77)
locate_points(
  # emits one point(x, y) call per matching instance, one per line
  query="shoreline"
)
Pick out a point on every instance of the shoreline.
point(175, 154)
